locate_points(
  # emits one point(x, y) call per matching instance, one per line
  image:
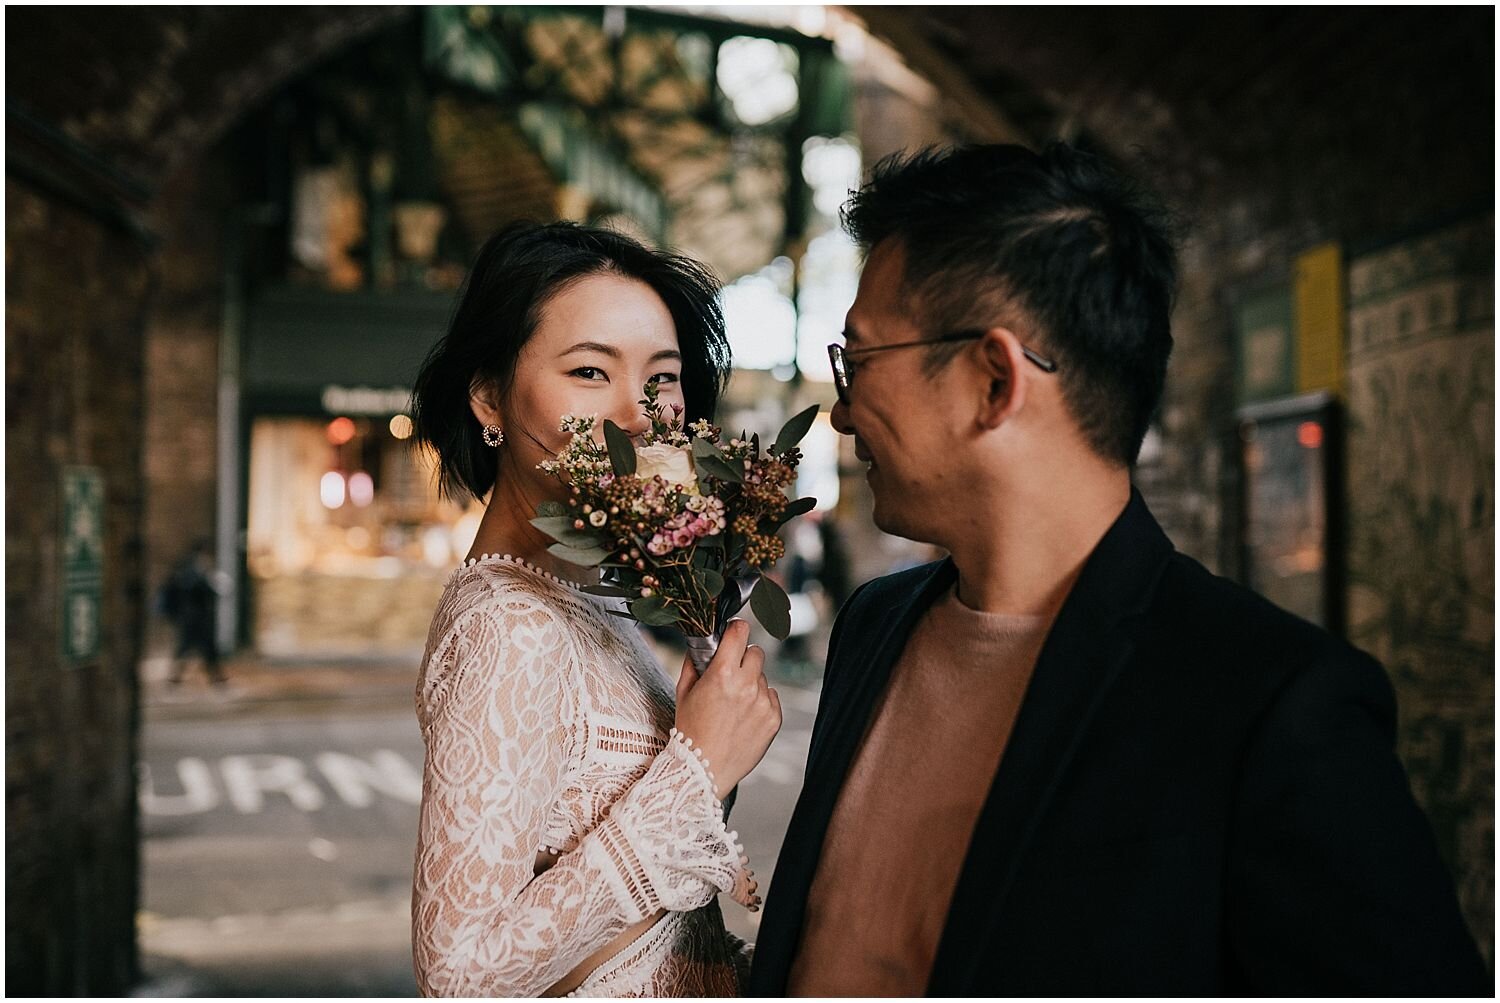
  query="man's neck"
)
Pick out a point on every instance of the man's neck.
point(1027, 561)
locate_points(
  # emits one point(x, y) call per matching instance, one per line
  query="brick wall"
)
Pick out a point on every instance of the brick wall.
point(181, 378)
point(74, 318)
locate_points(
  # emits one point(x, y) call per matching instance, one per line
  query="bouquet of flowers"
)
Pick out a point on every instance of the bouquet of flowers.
point(684, 524)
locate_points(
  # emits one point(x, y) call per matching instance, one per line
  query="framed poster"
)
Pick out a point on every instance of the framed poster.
point(1290, 457)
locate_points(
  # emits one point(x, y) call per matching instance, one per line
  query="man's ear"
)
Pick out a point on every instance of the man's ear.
point(1001, 363)
point(484, 402)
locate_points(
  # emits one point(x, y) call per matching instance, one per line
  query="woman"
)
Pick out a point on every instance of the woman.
point(572, 837)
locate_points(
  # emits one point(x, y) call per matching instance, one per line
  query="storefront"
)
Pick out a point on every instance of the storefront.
point(347, 541)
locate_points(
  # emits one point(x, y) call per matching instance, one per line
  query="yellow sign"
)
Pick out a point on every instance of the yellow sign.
point(1319, 312)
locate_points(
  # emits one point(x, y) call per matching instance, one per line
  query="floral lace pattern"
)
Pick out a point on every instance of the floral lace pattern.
point(548, 730)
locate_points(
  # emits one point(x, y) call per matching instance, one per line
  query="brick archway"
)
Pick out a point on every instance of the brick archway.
point(1273, 131)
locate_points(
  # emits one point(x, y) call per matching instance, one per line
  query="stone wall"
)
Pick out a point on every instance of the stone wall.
point(1421, 467)
point(75, 290)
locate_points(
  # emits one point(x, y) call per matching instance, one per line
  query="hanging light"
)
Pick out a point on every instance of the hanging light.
point(340, 430)
point(361, 488)
point(331, 489)
point(401, 426)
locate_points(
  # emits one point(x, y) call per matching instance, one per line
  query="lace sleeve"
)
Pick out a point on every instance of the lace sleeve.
point(501, 716)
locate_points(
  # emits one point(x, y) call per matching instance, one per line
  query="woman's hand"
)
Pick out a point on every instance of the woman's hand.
point(730, 712)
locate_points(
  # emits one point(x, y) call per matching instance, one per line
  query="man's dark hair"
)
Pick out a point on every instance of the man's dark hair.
point(1076, 248)
point(516, 273)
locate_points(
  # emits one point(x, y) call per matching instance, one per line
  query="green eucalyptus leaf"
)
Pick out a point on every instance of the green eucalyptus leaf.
point(560, 528)
point(621, 450)
point(801, 506)
point(653, 612)
point(583, 557)
point(792, 432)
point(611, 591)
point(713, 582)
point(772, 608)
point(703, 447)
point(718, 467)
point(551, 509)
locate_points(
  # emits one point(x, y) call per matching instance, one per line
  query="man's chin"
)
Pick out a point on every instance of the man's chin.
point(888, 521)
point(892, 521)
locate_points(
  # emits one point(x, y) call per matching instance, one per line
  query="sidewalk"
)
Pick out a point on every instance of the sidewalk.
point(256, 684)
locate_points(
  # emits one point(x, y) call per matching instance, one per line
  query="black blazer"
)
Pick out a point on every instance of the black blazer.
point(1200, 797)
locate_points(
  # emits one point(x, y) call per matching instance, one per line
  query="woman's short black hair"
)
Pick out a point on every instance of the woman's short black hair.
point(516, 273)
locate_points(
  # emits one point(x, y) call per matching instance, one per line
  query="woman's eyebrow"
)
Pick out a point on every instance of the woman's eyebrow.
point(594, 346)
point(614, 353)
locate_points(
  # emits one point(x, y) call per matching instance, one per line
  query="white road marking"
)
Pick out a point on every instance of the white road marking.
point(356, 780)
point(323, 849)
point(247, 778)
point(198, 791)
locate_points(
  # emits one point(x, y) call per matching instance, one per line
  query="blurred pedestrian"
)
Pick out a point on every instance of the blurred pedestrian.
point(190, 600)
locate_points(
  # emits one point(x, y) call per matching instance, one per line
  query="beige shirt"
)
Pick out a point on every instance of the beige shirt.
point(903, 821)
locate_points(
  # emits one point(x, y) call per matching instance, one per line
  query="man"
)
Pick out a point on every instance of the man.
point(1067, 760)
point(190, 599)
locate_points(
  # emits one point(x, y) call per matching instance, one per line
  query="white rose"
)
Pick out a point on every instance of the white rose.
point(673, 464)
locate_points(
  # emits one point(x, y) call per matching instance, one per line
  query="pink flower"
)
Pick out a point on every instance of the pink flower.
point(682, 538)
point(659, 545)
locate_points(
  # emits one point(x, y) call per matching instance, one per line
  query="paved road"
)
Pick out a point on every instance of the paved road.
point(277, 844)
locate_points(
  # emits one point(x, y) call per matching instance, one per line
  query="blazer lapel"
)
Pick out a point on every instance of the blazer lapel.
point(1086, 649)
point(868, 662)
point(871, 644)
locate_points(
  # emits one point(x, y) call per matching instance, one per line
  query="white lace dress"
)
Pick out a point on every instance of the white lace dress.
point(548, 726)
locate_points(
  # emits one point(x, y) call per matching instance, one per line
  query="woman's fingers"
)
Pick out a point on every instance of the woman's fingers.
point(732, 645)
point(754, 662)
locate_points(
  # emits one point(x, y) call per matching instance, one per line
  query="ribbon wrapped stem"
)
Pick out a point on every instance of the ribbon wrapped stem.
point(736, 593)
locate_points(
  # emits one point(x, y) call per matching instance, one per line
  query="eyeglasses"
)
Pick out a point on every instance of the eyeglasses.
point(844, 367)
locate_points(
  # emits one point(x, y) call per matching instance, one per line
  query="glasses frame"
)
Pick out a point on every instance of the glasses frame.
point(842, 359)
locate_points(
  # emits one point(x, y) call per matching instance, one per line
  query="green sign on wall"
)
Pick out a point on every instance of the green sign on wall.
point(82, 563)
point(1264, 346)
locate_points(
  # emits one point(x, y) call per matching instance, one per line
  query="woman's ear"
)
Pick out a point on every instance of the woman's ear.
point(1005, 389)
point(484, 402)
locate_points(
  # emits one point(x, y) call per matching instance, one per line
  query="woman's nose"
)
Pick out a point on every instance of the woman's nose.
point(631, 419)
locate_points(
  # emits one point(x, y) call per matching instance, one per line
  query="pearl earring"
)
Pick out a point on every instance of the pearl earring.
point(493, 436)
